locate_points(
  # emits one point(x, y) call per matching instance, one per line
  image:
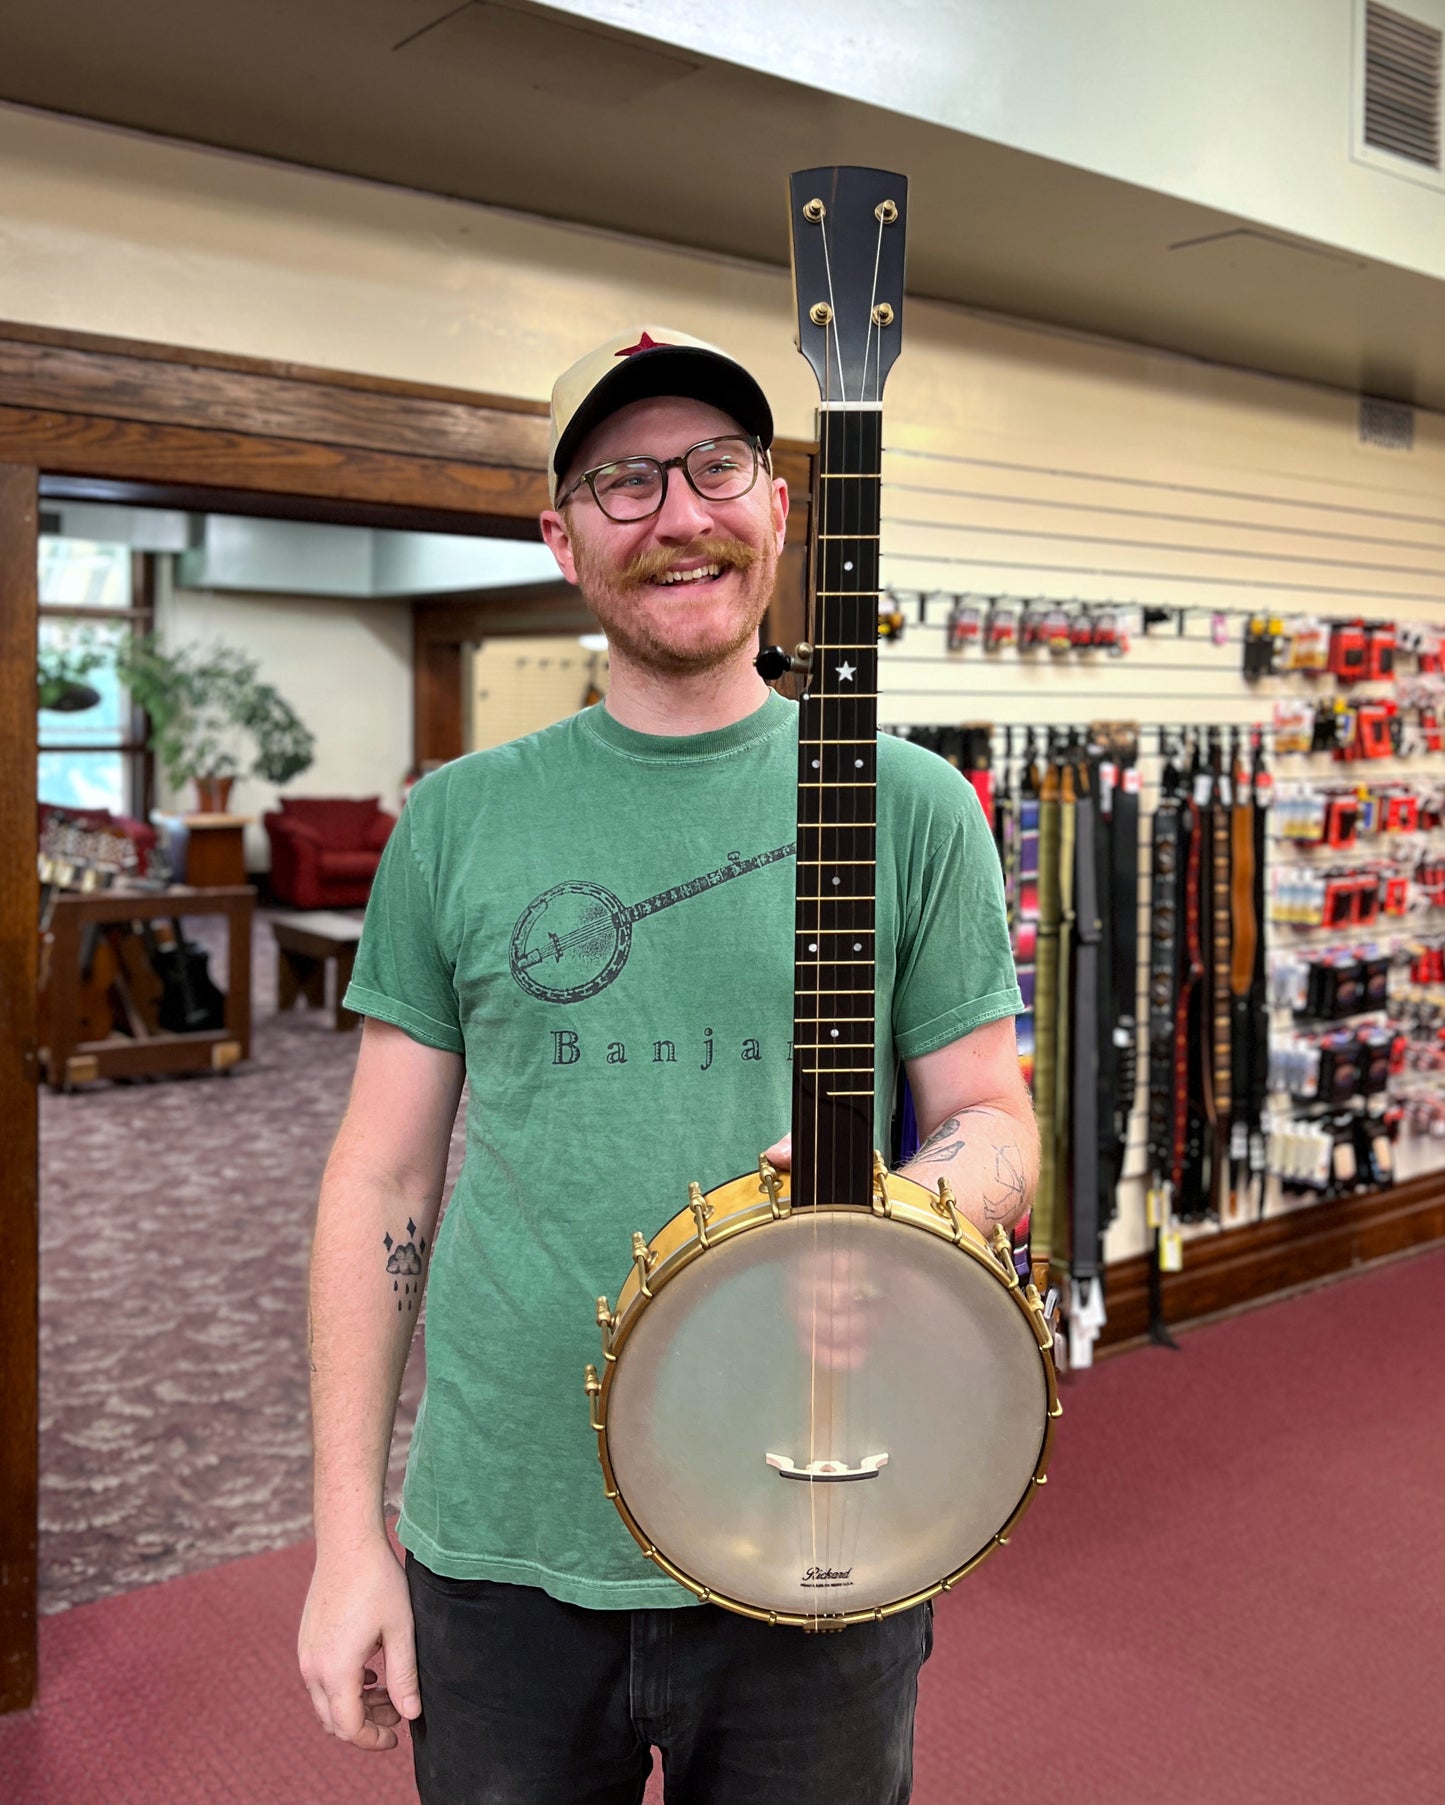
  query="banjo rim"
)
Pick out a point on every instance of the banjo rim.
point(694, 1232)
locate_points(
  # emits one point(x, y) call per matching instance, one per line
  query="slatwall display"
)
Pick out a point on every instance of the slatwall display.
point(1210, 547)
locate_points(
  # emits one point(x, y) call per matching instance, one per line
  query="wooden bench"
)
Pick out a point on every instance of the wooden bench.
point(305, 944)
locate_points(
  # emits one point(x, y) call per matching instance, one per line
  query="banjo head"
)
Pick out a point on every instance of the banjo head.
point(832, 1414)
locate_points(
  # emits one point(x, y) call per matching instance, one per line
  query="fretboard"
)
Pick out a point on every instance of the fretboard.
point(833, 1028)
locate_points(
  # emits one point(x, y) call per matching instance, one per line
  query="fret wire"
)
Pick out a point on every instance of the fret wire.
point(848, 536)
point(863, 1093)
point(866, 740)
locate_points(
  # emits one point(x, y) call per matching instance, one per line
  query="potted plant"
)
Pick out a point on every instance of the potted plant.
point(207, 707)
point(63, 664)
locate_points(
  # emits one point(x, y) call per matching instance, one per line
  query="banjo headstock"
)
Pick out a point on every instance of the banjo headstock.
point(847, 245)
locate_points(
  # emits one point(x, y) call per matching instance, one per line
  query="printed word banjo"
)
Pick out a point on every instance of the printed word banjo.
point(824, 1396)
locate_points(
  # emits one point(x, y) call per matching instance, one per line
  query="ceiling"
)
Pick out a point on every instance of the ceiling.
point(511, 104)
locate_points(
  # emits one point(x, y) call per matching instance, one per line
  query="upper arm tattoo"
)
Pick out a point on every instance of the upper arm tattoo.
point(934, 1148)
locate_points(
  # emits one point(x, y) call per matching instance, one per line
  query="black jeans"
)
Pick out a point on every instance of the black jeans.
point(526, 1701)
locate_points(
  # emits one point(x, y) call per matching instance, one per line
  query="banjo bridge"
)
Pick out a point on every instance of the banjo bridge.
point(827, 1472)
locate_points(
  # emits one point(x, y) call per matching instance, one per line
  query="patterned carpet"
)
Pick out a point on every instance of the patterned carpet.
point(175, 1221)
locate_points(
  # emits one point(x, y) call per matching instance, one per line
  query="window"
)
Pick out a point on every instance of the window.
point(93, 757)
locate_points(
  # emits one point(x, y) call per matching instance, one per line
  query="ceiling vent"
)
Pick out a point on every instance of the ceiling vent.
point(1402, 85)
point(1388, 424)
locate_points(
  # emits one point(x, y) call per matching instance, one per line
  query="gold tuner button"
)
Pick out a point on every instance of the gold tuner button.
point(814, 210)
point(886, 212)
point(882, 314)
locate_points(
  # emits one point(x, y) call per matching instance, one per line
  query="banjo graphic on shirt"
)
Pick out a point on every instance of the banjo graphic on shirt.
point(573, 940)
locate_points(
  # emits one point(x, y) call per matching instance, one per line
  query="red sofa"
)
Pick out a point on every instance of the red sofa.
point(325, 849)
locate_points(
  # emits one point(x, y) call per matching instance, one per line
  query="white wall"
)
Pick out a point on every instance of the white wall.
point(1241, 105)
point(344, 666)
point(109, 231)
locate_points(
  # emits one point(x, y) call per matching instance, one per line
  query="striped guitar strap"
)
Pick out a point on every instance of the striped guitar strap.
point(1164, 946)
point(1217, 1066)
point(1187, 1155)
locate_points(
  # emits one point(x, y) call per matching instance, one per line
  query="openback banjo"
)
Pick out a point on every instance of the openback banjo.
point(823, 1396)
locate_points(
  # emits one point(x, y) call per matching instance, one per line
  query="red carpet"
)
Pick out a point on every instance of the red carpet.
point(1231, 1589)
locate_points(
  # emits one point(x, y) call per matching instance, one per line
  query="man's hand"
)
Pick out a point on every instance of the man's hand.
point(359, 1607)
point(780, 1154)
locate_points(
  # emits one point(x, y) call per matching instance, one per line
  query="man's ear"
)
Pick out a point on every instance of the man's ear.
point(780, 510)
point(558, 541)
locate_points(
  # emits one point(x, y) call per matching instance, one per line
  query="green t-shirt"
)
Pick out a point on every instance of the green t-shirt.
point(601, 921)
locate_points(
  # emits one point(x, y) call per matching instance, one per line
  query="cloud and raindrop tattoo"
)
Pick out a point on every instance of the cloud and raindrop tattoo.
point(403, 1265)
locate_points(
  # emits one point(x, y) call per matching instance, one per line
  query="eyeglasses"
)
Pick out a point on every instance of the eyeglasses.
point(636, 488)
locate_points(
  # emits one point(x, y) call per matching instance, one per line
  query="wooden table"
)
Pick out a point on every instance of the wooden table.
point(304, 945)
point(69, 1060)
point(206, 850)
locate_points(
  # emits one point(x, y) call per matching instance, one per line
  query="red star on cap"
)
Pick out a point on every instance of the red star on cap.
point(645, 343)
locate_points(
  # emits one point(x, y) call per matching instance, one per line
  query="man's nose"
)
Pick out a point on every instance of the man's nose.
point(684, 514)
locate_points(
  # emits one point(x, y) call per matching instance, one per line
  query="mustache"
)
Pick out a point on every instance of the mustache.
point(657, 560)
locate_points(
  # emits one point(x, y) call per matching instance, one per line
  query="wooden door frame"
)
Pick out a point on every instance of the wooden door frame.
point(84, 417)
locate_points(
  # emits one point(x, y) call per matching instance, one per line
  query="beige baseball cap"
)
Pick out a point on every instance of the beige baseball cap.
point(652, 360)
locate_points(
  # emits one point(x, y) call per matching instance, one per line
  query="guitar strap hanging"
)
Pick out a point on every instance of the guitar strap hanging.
point(1086, 1300)
point(1025, 908)
point(1262, 787)
point(1244, 929)
point(1119, 791)
point(1166, 873)
point(1217, 1078)
point(1068, 833)
point(1046, 1024)
point(1187, 1143)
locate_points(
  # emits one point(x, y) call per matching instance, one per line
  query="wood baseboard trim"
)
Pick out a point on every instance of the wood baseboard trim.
point(1242, 1265)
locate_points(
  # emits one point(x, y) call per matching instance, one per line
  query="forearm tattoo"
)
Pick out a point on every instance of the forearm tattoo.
point(1003, 1193)
point(1003, 1197)
point(403, 1266)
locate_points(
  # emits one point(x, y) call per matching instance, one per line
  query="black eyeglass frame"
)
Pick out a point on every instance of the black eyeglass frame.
point(664, 466)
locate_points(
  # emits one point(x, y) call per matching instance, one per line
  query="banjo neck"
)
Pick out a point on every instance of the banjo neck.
point(847, 245)
point(834, 964)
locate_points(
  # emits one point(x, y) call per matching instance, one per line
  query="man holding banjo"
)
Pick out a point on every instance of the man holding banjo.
point(593, 927)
